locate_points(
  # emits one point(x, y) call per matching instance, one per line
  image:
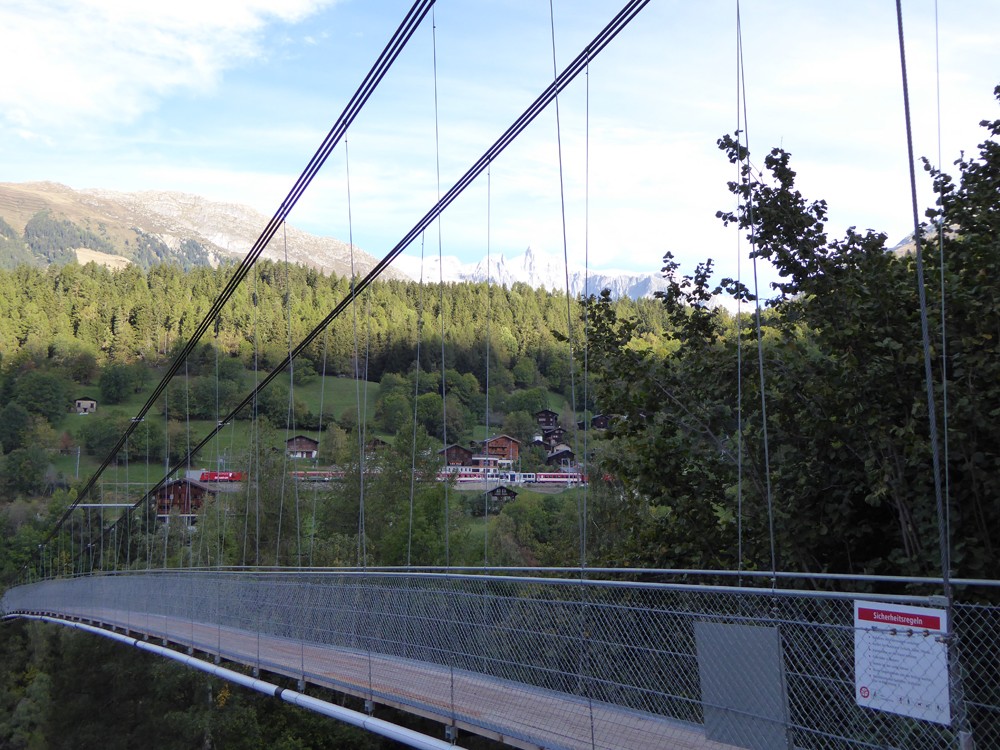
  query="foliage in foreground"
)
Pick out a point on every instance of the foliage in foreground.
point(846, 482)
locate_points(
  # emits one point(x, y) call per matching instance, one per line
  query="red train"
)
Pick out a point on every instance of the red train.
point(222, 476)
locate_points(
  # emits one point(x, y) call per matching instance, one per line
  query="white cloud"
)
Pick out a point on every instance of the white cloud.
point(111, 60)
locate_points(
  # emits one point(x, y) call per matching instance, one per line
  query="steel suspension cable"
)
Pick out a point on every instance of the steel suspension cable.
point(128, 521)
point(289, 420)
point(586, 332)
point(218, 536)
point(166, 468)
point(363, 420)
point(441, 315)
point(315, 489)
point(924, 325)
point(150, 499)
point(961, 716)
point(253, 459)
point(583, 654)
point(739, 311)
point(489, 312)
point(362, 545)
point(444, 378)
point(416, 393)
point(944, 318)
point(758, 320)
point(187, 443)
point(562, 216)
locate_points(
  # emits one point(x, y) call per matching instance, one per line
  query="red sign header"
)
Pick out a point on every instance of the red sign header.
point(899, 619)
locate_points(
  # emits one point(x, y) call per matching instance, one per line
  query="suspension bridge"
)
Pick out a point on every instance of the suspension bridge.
point(561, 659)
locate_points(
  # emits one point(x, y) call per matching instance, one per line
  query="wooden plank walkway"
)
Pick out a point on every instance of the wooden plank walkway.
point(519, 715)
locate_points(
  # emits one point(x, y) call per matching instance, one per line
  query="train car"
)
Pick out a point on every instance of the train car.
point(222, 476)
point(483, 474)
point(559, 477)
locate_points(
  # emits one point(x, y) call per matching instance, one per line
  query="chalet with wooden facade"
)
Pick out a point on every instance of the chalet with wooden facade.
point(499, 497)
point(183, 496)
point(186, 496)
point(502, 448)
point(561, 455)
point(503, 493)
point(553, 436)
point(547, 419)
point(457, 455)
point(301, 446)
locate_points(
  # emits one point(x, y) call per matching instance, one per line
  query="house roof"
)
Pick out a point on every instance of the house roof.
point(561, 448)
point(302, 437)
point(455, 445)
point(546, 411)
point(489, 440)
point(503, 490)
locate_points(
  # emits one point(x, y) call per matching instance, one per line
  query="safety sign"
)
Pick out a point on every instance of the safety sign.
point(901, 660)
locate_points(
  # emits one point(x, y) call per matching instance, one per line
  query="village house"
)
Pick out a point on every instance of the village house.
point(553, 436)
point(301, 446)
point(547, 418)
point(457, 455)
point(561, 455)
point(186, 496)
point(85, 405)
point(183, 496)
point(502, 448)
point(499, 497)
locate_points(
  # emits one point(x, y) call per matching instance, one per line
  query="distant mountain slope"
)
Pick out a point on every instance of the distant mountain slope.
point(537, 270)
point(149, 227)
point(46, 222)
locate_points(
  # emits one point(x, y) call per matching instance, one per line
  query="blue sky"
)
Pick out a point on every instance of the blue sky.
point(229, 99)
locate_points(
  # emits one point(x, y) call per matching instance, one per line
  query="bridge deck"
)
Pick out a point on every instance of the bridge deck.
point(519, 715)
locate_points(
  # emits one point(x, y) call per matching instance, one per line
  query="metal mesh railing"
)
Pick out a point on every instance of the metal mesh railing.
point(612, 654)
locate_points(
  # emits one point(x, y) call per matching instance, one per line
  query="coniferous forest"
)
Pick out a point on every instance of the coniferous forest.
point(837, 477)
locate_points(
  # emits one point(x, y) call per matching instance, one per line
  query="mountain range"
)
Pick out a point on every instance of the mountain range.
point(46, 222)
point(149, 227)
point(536, 269)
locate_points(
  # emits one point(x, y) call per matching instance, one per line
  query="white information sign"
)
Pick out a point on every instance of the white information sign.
point(901, 661)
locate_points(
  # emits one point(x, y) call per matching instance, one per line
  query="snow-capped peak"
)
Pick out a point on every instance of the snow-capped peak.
point(534, 268)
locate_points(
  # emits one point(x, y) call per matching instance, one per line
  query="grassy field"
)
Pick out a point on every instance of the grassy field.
point(337, 395)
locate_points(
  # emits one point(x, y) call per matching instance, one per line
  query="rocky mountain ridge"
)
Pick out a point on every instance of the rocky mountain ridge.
point(536, 269)
point(172, 223)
